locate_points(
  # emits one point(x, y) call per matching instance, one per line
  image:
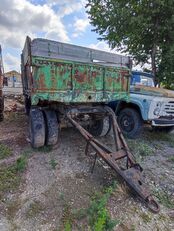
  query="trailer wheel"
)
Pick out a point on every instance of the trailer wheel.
point(1, 108)
point(27, 102)
point(52, 127)
point(100, 127)
point(36, 128)
point(130, 122)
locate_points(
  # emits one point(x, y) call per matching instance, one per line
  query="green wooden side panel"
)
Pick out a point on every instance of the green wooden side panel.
point(54, 78)
point(89, 78)
point(72, 82)
point(113, 82)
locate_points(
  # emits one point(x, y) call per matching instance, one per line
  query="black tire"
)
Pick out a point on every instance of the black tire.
point(163, 129)
point(36, 128)
point(100, 127)
point(52, 127)
point(130, 122)
point(1, 108)
point(27, 105)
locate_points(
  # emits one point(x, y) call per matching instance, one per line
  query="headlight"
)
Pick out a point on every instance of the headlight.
point(158, 104)
point(157, 108)
point(156, 111)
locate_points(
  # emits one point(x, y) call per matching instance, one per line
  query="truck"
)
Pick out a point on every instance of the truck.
point(1, 86)
point(147, 105)
point(65, 83)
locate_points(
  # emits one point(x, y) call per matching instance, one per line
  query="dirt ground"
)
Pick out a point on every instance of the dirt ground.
point(58, 183)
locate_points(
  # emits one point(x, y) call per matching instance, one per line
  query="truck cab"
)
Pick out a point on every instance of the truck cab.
point(147, 104)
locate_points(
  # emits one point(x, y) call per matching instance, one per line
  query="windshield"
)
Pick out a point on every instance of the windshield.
point(142, 80)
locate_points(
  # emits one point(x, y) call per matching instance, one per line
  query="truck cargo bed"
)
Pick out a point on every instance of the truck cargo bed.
point(59, 72)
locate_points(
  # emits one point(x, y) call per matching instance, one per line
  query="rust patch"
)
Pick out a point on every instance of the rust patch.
point(159, 91)
point(94, 74)
point(80, 77)
point(124, 79)
point(41, 82)
point(53, 80)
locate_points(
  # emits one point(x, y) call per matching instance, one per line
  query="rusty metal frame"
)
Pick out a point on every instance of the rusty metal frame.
point(132, 172)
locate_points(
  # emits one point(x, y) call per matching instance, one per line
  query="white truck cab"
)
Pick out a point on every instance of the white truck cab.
point(147, 104)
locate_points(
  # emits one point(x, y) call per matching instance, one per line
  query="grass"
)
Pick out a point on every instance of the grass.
point(67, 218)
point(164, 198)
point(5, 151)
point(10, 176)
point(97, 214)
point(9, 180)
point(21, 163)
point(140, 148)
point(44, 149)
point(12, 208)
point(67, 226)
point(145, 217)
point(160, 136)
point(35, 208)
point(171, 159)
point(53, 163)
point(95, 217)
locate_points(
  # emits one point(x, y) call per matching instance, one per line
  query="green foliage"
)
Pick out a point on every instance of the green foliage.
point(53, 163)
point(67, 218)
point(171, 159)
point(166, 67)
point(35, 208)
point(21, 163)
point(67, 226)
point(5, 151)
point(160, 136)
point(10, 176)
point(98, 215)
point(140, 148)
point(44, 149)
point(143, 28)
point(164, 198)
point(146, 218)
point(9, 180)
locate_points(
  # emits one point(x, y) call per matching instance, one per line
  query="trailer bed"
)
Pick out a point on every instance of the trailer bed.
point(65, 73)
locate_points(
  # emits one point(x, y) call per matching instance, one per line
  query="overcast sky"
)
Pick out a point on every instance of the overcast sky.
point(61, 20)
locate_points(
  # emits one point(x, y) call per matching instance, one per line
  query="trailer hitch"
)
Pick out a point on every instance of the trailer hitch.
point(132, 171)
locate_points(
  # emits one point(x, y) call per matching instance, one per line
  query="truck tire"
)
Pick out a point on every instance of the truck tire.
point(100, 127)
point(1, 108)
point(27, 105)
point(36, 128)
point(52, 127)
point(130, 122)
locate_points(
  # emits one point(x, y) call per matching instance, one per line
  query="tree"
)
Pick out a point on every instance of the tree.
point(144, 28)
point(166, 67)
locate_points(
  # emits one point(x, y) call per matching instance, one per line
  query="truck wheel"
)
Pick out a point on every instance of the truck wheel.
point(1, 108)
point(130, 122)
point(52, 127)
point(100, 127)
point(36, 128)
point(27, 105)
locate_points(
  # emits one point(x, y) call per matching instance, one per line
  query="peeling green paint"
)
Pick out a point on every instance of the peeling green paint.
point(68, 81)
